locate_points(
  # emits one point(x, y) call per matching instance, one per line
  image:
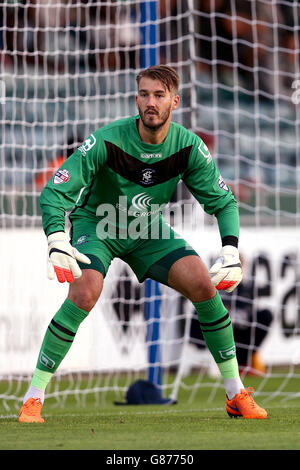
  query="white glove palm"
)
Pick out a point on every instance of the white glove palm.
point(226, 273)
point(62, 258)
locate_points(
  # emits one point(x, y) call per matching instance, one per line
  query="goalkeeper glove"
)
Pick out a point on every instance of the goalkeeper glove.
point(62, 258)
point(226, 273)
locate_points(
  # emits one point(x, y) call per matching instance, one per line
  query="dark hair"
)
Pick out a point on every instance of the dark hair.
point(165, 74)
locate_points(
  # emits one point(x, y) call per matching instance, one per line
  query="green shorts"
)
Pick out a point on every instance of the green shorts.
point(148, 258)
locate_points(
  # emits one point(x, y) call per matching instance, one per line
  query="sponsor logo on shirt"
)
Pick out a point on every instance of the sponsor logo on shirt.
point(142, 201)
point(151, 155)
point(222, 184)
point(61, 176)
point(141, 205)
point(203, 149)
point(87, 145)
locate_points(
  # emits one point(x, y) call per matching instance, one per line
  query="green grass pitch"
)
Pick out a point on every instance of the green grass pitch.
point(198, 425)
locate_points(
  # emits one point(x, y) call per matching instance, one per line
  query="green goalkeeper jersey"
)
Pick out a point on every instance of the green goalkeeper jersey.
point(115, 168)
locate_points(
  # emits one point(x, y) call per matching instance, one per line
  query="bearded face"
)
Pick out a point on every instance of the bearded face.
point(155, 103)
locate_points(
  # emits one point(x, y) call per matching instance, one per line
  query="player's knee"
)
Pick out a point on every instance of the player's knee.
point(200, 290)
point(84, 294)
point(85, 291)
point(85, 299)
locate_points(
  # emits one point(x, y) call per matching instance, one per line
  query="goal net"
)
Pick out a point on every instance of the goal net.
point(68, 68)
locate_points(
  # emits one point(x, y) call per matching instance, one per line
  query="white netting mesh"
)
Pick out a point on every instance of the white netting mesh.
point(68, 68)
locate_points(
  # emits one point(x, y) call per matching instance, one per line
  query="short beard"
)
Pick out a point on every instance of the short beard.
point(155, 127)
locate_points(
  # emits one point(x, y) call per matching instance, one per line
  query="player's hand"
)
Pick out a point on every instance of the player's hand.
point(226, 273)
point(63, 257)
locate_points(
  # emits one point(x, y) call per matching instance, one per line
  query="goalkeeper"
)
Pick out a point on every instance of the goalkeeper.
point(133, 166)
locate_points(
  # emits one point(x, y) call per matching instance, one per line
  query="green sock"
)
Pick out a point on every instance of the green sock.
point(229, 369)
point(57, 341)
point(217, 331)
point(41, 379)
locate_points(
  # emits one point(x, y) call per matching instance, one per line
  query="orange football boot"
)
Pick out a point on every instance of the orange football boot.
point(243, 405)
point(30, 412)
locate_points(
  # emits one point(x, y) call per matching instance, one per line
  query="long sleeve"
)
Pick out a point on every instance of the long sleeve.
point(205, 182)
point(75, 176)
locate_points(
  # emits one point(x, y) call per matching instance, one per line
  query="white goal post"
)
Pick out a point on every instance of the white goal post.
point(67, 68)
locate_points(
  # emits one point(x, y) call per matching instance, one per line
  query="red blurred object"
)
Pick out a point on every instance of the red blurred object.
point(45, 175)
